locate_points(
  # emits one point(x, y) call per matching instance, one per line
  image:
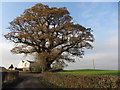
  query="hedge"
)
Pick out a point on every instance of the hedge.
point(82, 81)
point(9, 75)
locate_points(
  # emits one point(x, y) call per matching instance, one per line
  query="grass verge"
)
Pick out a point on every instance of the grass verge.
point(91, 72)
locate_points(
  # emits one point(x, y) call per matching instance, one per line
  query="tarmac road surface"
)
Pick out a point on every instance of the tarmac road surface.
point(30, 81)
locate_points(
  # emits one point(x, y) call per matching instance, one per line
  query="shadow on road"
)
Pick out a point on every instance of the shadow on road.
point(27, 80)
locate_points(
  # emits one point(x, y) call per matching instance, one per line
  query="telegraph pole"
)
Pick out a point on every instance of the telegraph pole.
point(93, 64)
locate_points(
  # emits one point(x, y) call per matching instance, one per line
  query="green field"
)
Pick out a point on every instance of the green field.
point(91, 72)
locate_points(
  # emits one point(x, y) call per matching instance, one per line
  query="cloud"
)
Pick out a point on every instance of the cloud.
point(105, 61)
point(113, 41)
point(109, 45)
point(98, 15)
point(105, 50)
point(105, 55)
point(7, 57)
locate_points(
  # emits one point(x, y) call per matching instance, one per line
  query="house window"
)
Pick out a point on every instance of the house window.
point(25, 64)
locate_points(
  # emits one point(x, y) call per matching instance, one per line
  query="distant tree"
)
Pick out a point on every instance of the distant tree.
point(49, 33)
point(11, 66)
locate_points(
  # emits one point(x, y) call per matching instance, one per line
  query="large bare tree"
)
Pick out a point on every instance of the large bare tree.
point(50, 33)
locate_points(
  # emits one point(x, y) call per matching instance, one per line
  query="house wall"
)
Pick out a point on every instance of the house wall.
point(20, 64)
point(25, 65)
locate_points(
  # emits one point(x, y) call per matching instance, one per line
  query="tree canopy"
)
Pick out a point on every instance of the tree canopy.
point(49, 32)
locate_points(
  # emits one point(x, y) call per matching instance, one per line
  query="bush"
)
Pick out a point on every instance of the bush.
point(82, 81)
point(9, 75)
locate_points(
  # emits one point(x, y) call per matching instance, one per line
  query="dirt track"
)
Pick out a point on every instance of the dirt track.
point(30, 81)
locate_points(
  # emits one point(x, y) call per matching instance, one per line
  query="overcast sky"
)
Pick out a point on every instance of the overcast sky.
point(102, 17)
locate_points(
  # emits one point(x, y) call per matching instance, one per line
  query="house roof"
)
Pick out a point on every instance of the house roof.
point(30, 61)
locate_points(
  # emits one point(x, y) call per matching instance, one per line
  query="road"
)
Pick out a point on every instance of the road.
point(30, 81)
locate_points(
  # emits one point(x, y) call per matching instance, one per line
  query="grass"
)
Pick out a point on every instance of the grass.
point(28, 72)
point(91, 72)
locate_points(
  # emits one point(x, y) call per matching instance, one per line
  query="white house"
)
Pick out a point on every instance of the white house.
point(25, 65)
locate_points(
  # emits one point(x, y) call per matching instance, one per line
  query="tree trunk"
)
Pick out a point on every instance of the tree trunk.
point(48, 67)
point(44, 63)
point(41, 60)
